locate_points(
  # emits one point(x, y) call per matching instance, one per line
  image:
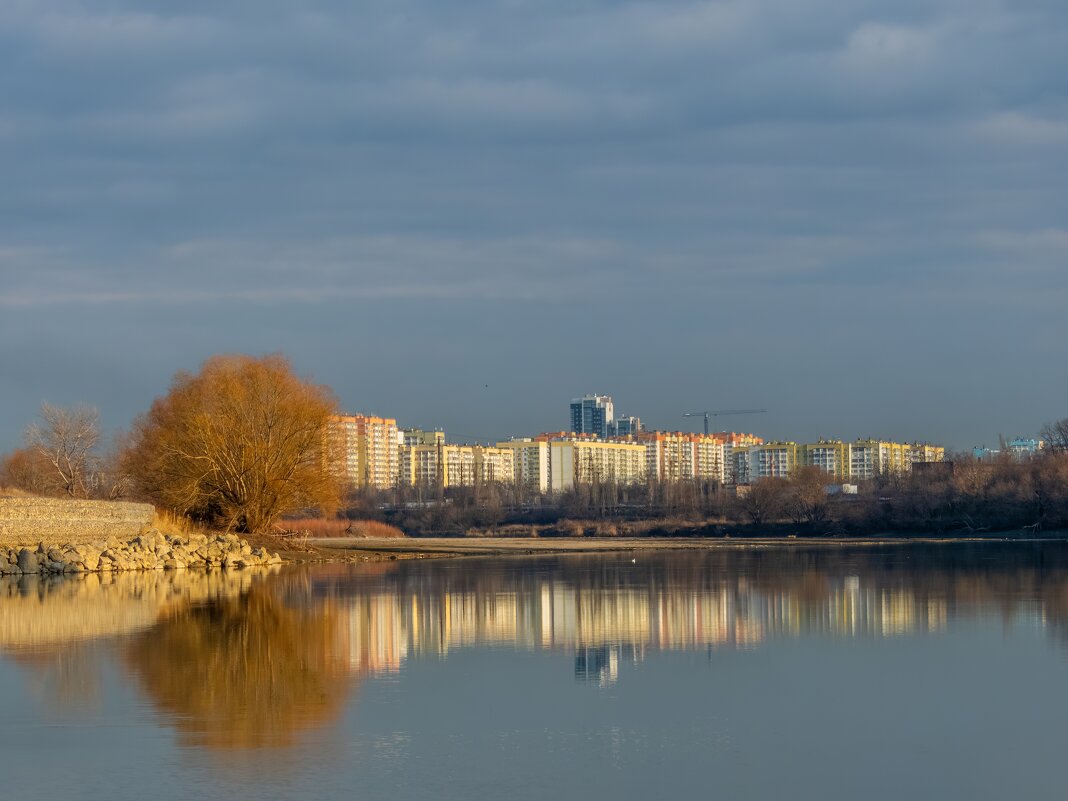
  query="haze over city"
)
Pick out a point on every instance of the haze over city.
point(464, 215)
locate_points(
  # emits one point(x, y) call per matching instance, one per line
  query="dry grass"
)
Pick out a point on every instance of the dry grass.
point(319, 527)
point(170, 523)
point(13, 492)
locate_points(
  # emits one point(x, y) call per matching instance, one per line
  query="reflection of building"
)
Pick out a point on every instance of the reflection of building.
point(600, 664)
point(377, 634)
point(602, 624)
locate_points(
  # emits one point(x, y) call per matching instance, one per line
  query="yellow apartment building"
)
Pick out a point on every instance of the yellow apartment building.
point(583, 461)
point(530, 462)
point(364, 450)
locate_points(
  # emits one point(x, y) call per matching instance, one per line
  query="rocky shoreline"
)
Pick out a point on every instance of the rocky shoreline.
point(152, 550)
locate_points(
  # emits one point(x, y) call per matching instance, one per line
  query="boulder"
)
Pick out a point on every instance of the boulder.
point(27, 561)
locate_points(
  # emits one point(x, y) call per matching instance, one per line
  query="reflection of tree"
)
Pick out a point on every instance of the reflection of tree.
point(244, 672)
point(66, 678)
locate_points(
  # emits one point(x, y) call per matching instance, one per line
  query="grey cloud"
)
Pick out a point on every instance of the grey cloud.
point(735, 186)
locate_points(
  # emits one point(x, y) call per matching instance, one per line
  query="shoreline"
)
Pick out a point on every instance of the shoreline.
point(445, 547)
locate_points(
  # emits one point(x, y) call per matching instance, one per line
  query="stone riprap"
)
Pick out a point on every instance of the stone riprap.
point(153, 550)
point(28, 521)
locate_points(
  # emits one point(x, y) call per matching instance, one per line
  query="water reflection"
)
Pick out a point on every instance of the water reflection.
point(244, 671)
point(248, 660)
point(605, 609)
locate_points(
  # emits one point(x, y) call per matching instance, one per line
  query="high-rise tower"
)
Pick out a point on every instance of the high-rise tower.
point(592, 414)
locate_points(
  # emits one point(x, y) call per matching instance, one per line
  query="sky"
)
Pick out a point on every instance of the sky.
point(464, 214)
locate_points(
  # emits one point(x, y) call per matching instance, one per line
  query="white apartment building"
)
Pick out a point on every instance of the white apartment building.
point(772, 460)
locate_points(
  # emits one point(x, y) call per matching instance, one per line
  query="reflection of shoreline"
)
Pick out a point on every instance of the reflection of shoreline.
point(38, 611)
point(689, 602)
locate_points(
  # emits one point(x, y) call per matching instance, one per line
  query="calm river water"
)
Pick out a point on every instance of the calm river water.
point(894, 672)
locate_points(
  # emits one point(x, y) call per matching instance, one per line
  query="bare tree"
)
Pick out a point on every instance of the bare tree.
point(808, 501)
point(1056, 435)
point(764, 500)
point(66, 438)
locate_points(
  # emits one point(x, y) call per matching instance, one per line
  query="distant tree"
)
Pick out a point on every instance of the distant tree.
point(1056, 435)
point(764, 500)
point(66, 438)
point(807, 497)
point(28, 470)
point(238, 444)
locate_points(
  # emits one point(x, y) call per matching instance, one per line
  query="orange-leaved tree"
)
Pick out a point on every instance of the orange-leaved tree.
point(237, 445)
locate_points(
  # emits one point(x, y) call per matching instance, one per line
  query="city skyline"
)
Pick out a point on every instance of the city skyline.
point(857, 222)
point(687, 424)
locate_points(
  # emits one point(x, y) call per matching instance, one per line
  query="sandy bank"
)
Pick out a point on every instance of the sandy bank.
point(490, 546)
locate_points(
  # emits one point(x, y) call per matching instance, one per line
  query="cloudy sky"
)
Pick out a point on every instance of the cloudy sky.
point(462, 214)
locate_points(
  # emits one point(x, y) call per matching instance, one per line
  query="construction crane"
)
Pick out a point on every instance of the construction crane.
point(721, 412)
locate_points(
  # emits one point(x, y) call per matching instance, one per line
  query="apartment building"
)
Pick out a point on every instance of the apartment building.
point(736, 460)
point(869, 458)
point(830, 456)
point(923, 452)
point(730, 441)
point(494, 465)
point(863, 459)
point(438, 464)
point(678, 456)
point(579, 460)
point(422, 436)
point(364, 450)
point(772, 459)
point(530, 462)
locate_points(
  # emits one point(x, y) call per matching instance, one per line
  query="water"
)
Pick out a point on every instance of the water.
point(881, 673)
